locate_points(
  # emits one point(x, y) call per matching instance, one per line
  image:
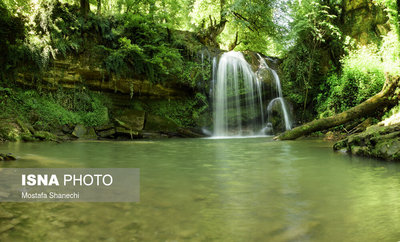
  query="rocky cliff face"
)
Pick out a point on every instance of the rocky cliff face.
point(74, 73)
point(364, 21)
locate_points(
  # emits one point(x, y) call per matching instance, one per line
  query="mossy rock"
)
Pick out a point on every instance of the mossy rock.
point(376, 141)
point(159, 124)
point(9, 131)
point(342, 144)
point(45, 136)
point(7, 157)
point(122, 132)
point(387, 149)
point(131, 119)
point(25, 128)
point(28, 137)
point(82, 132)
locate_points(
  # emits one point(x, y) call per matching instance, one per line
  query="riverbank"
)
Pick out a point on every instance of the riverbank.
point(377, 141)
point(134, 125)
point(63, 115)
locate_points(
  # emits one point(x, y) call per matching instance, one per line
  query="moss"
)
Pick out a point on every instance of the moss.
point(158, 123)
point(9, 131)
point(340, 145)
point(28, 137)
point(45, 136)
point(377, 141)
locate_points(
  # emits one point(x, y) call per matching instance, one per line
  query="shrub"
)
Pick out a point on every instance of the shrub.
point(362, 76)
point(47, 111)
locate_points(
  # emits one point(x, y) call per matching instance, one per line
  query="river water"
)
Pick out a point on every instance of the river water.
point(251, 189)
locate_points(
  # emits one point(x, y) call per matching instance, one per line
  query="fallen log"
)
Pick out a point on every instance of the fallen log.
point(386, 98)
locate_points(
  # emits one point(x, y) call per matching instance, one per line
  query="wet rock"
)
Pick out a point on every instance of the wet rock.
point(67, 129)
point(190, 133)
point(151, 135)
point(106, 133)
point(129, 133)
point(79, 131)
point(82, 132)
point(104, 127)
point(46, 136)
point(376, 141)
point(28, 137)
point(131, 119)
point(66, 137)
point(158, 123)
point(8, 157)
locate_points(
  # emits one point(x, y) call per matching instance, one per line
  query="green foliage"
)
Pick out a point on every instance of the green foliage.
point(146, 49)
point(314, 31)
point(362, 77)
point(47, 111)
point(392, 8)
point(11, 34)
point(390, 53)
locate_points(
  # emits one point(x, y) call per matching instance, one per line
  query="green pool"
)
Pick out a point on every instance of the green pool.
point(251, 189)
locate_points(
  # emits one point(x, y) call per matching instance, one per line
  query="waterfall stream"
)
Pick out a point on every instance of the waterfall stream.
point(279, 97)
point(238, 98)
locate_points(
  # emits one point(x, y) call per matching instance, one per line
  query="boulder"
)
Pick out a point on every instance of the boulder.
point(129, 133)
point(104, 127)
point(67, 129)
point(131, 119)
point(82, 132)
point(7, 157)
point(377, 141)
point(106, 133)
point(44, 135)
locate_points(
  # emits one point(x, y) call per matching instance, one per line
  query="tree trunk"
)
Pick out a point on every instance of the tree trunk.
point(98, 7)
point(85, 7)
point(209, 36)
point(387, 97)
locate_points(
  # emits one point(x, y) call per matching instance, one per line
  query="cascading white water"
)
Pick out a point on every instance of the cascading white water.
point(279, 98)
point(237, 97)
point(284, 111)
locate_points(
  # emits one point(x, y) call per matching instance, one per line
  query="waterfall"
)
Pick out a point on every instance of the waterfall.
point(279, 98)
point(238, 99)
point(284, 111)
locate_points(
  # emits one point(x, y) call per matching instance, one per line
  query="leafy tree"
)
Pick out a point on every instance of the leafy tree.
point(313, 29)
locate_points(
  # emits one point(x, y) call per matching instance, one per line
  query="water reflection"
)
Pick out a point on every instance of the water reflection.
point(216, 190)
